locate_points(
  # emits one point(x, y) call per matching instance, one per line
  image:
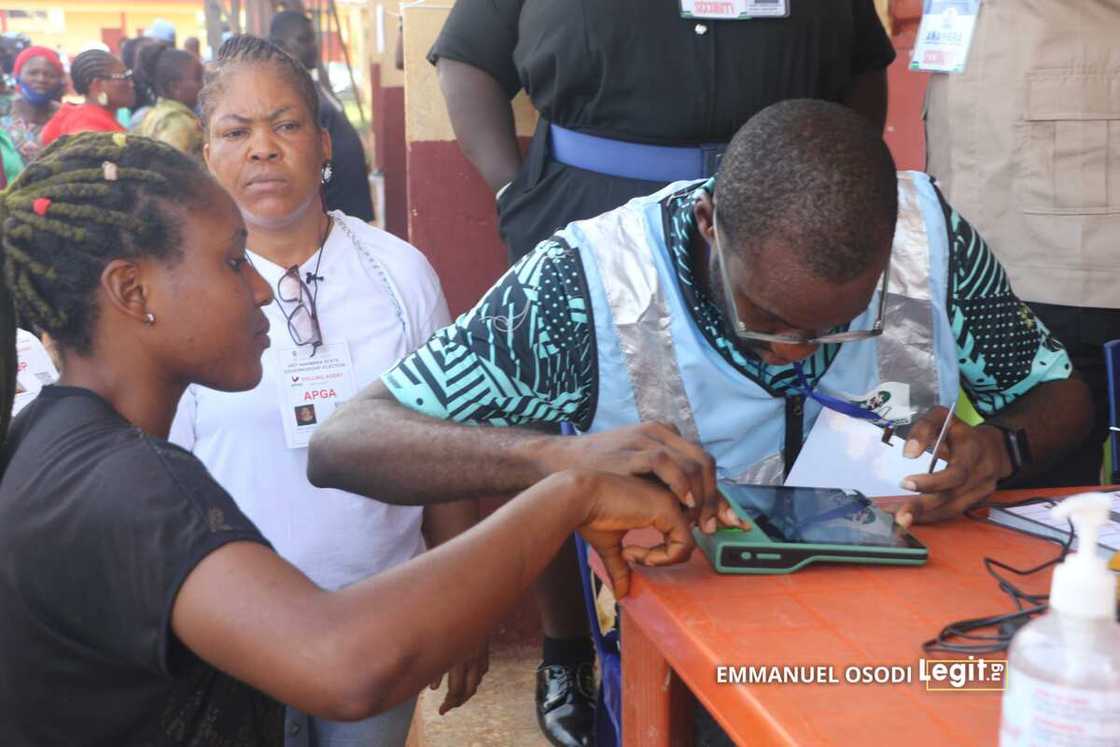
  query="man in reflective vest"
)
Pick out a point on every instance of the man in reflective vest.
point(693, 334)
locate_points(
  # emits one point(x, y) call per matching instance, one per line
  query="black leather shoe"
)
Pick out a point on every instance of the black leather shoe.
point(566, 704)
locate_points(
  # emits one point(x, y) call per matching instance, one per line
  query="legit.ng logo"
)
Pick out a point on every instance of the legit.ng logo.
point(963, 675)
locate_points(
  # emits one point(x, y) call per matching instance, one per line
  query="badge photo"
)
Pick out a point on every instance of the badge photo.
point(305, 415)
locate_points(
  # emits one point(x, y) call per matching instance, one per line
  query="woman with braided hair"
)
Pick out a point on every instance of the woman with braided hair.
point(176, 78)
point(141, 606)
point(106, 85)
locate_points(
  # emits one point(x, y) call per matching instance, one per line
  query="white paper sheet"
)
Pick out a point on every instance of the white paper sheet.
point(1037, 518)
point(844, 452)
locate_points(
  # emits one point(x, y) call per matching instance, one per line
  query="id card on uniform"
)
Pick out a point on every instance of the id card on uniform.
point(945, 35)
point(34, 369)
point(889, 400)
point(311, 387)
point(734, 10)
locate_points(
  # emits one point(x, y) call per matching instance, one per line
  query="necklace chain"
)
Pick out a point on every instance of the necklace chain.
point(335, 220)
point(372, 261)
point(314, 276)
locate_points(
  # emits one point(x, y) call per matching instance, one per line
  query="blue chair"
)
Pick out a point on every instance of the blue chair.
point(608, 712)
point(1112, 365)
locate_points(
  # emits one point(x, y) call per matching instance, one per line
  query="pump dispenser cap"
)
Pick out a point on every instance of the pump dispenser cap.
point(1083, 586)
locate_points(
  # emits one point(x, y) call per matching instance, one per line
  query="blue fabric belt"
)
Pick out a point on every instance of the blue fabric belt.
point(652, 163)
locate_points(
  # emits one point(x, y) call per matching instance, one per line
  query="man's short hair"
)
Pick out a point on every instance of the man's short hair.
point(812, 176)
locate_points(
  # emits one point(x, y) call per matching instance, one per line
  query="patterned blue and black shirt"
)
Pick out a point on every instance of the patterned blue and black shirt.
point(526, 353)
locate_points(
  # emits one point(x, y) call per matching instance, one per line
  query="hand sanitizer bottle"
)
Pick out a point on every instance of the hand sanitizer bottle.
point(1063, 674)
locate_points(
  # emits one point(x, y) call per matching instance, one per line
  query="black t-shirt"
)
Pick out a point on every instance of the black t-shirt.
point(99, 527)
point(348, 189)
point(636, 70)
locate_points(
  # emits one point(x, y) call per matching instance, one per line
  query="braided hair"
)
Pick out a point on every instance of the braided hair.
point(244, 49)
point(88, 67)
point(162, 66)
point(89, 199)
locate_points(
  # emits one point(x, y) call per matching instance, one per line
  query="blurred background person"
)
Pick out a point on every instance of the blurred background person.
point(11, 44)
point(348, 190)
point(176, 77)
point(130, 56)
point(1026, 140)
point(162, 31)
point(40, 81)
point(6, 95)
point(9, 159)
point(191, 44)
point(105, 84)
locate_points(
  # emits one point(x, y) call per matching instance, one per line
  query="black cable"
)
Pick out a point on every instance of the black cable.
point(1006, 624)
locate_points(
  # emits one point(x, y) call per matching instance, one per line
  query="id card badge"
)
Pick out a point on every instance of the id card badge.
point(311, 387)
point(945, 35)
point(34, 369)
point(890, 401)
point(734, 10)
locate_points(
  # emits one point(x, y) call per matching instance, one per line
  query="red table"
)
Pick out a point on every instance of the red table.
point(680, 623)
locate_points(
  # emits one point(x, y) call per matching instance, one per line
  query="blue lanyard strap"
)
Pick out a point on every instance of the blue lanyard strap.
point(835, 403)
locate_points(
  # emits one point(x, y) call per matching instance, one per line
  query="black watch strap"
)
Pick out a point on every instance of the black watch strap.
point(1018, 448)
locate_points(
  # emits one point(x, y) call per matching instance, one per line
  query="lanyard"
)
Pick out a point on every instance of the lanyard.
point(835, 403)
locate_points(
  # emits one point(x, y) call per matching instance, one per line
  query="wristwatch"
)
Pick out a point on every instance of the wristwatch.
point(1018, 448)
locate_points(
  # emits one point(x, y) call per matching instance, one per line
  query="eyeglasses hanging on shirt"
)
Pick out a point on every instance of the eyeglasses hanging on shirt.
point(303, 318)
point(303, 322)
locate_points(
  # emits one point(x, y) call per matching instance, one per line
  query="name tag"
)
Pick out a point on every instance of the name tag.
point(945, 36)
point(734, 10)
point(34, 369)
point(311, 387)
point(890, 401)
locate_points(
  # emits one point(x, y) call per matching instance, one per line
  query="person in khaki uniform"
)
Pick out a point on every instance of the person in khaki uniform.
point(1027, 141)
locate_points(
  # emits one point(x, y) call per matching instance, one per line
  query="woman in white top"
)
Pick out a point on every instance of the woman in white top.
point(350, 300)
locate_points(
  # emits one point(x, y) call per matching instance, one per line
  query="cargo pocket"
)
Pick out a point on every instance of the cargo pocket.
point(1069, 144)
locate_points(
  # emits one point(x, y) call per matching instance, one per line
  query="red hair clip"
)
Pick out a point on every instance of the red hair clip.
point(40, 206)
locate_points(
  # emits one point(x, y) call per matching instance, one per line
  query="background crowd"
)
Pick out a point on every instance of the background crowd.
point(150, 86)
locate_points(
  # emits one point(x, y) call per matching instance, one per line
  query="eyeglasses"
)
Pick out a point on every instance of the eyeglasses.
point(303, 321)
point(744, 333)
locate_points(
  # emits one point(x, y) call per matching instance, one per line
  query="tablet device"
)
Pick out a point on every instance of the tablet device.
point(792, 527)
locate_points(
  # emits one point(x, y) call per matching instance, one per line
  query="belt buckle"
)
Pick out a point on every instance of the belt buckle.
point(711, 155)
